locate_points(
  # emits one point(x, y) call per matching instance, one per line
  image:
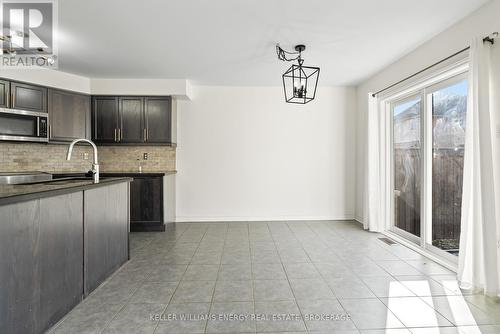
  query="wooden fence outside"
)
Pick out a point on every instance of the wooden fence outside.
point(447, 180)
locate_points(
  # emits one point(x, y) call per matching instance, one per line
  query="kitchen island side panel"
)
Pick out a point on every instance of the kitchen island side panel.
point(41, 272)
point(106, 220)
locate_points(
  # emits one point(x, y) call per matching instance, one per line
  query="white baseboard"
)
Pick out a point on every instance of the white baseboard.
point(359, 220)
point(187, 219)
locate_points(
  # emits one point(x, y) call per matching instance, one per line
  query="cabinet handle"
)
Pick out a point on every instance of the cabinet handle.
point(115, 134)
point(12, 100)
point(50, 131)
point(120, 137)
point(144, 134)
point(147, 134)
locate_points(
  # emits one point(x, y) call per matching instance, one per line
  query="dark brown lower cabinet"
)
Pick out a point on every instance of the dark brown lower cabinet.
point(146, 204)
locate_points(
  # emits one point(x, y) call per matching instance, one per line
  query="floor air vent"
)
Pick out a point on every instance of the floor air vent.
point(387, 241)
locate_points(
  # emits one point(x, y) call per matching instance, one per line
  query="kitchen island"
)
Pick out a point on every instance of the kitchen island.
point(59, 240)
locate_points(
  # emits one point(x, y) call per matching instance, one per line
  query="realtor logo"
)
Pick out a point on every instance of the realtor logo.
point(28, 31)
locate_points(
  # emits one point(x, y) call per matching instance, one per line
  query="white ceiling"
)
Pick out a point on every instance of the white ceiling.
point(232, 42)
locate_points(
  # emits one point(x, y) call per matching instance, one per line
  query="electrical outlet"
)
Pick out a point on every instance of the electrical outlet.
point(145, 156)
point(85, 156)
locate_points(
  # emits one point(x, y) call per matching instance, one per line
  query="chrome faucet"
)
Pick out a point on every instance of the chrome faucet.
point(95, 164)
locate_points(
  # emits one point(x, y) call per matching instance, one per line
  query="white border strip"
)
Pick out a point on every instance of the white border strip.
point(191, 219)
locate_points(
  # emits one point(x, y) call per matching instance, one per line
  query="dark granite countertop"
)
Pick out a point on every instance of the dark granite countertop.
point(134, 174)
point(118, 174)
point(12, 193)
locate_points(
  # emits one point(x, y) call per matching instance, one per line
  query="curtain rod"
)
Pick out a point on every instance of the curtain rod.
point(489, 39)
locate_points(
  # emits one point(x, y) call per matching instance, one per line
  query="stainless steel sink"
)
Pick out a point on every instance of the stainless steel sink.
point(24, 177)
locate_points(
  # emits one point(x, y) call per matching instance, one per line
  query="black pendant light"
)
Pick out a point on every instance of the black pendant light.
point(299, 82)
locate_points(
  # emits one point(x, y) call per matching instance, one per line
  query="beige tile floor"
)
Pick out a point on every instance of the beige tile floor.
point(297, 277)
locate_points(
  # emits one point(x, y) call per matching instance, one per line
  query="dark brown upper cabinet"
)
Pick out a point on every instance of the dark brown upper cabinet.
point(131, 110)
point(28, 97)
point(132, 120)
point(4, 93)
point(105, 119)
point(158, 111)
point(69, 115)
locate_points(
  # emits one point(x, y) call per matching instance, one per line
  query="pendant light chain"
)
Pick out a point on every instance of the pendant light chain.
point(282, 54)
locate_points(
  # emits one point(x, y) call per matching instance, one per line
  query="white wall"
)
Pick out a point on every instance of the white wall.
point(176, 87)
point(480, 23)
point(51, 78)
point(244, 154)
point(179, 88)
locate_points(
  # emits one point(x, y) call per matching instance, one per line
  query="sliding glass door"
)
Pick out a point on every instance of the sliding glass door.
point(427, 144)
point(406, 161)
point(447, 105)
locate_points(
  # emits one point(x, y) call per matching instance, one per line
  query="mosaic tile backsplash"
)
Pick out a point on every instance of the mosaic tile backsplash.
point(15, 157)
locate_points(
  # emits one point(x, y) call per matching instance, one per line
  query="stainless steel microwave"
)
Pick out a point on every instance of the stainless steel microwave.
point(22, 125)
